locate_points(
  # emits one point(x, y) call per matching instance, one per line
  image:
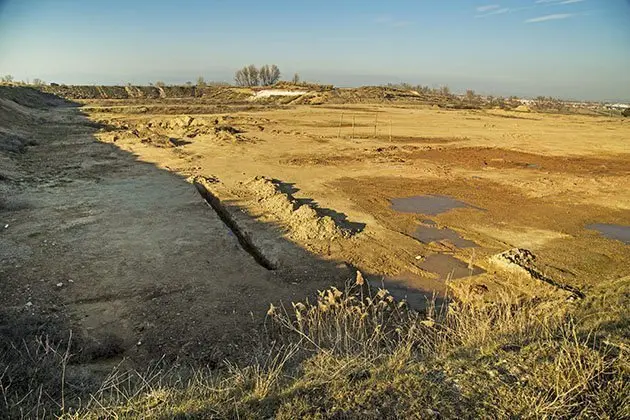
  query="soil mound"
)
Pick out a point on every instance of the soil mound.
point(302, 221)
point(177, 131)
point(523, 262)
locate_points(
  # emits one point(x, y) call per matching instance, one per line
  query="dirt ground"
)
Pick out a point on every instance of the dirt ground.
point(127, 255)
point(105, 206)
point(533, 180)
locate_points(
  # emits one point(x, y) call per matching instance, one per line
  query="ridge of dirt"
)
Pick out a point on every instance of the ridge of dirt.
point(176, 131)
point(312, 94)
point(523, 262)
point(301, 220)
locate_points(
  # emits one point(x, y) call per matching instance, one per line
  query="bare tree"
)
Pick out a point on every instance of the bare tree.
point(445, 91)
point(7, 78)
point(265, 75)
point(253, 75)
point(160, 83)
point(296, 78)
point(201, 82)
point(38, 82)
point(275, 74)
point(247, 76)
point(240, 78)
point(269, 75)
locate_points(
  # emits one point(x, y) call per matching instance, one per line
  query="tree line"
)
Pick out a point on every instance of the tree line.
point(8, 79)
point(250, 75)
point(266, 75)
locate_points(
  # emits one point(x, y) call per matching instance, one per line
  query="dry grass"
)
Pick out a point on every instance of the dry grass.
point(33, 378)
point(360, 354)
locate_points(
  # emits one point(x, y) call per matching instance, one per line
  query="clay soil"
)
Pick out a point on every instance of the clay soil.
point(105, 206)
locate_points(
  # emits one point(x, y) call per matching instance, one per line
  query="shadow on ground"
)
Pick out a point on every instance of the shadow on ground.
point(341, 219)
point(128, 256)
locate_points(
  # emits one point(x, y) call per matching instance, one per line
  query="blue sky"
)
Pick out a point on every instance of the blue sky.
point(567, 48)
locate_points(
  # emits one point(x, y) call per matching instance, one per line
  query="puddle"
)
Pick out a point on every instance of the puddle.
point(427, 204)
point(610, 231)
point(428, 234)
point(448, 267)
point(417, 291)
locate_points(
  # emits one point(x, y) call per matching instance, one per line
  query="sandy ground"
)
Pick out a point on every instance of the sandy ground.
point(532, 180)
point(129, 256)
point(151, 263)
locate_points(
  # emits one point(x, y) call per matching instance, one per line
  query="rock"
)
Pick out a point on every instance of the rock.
point(517, 260)
point(59, 284)
point(432, 414)
point(183, 121)
point(29, 304)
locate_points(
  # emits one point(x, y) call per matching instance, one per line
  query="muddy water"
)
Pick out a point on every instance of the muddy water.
point(428, 234)
point(610, 231)
point(420, 292)
point(427, 204)
point(417, 291)
point(448, 267)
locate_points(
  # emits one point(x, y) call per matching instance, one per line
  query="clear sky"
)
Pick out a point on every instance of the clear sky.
point(576, 49)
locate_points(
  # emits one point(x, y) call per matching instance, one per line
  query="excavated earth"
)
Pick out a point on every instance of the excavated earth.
point(160, 227)
point(127, 255)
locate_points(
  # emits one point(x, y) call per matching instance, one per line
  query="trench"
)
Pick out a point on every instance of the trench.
point(244, 239)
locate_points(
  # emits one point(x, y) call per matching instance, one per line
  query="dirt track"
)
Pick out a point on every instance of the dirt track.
point(151, 263)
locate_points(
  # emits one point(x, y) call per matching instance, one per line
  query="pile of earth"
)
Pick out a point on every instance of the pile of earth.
point(523, 263)
point(301, 220)
point(174, 131)
point(19, 110)
point(218, 94)
point(314, 94)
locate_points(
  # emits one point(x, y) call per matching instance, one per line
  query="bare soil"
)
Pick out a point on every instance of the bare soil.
point(106, 200)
